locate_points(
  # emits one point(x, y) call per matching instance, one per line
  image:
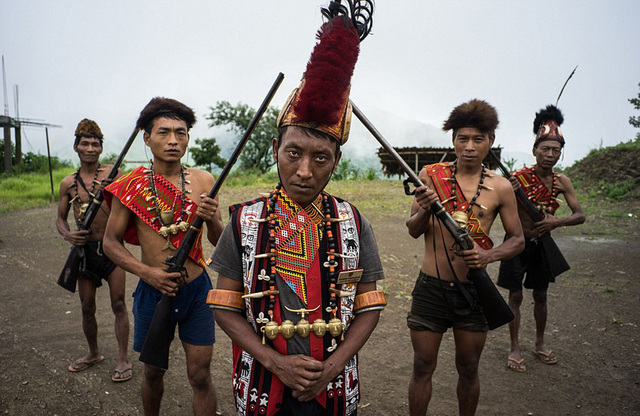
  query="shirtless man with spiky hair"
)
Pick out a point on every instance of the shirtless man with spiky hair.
point(443, 296)
point(154, 208)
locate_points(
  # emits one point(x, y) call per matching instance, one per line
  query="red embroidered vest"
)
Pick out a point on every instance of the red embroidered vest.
point(439, 174)
point(256, 390)
point(134, 193)
point(536, 190)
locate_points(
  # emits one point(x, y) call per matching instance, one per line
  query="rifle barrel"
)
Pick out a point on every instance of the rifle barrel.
point(436, 207)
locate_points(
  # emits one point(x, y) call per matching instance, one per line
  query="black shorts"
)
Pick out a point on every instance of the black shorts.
point(95, 265)
point(439, 304)
point(532, 263)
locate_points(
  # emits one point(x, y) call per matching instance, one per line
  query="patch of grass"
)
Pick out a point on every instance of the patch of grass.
point(32, 190)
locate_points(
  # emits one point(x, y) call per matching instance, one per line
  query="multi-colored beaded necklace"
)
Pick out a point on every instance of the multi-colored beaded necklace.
point(165, 217)
point(334, 326)
point(545, 205)
point(84, 205)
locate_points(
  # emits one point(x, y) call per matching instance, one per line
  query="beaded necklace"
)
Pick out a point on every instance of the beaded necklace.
point(458, 217)
point(168, 226)
point(544, 206)
point(94, 182)
point(334, 326)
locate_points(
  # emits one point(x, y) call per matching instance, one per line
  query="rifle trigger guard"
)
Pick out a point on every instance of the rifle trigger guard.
point(184, 276)
point(407, 190)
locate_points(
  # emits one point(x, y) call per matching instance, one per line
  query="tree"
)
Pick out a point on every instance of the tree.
point(346, 171)
point(110, 158)
point(207, 153)
point(635, 120)
point(256, 154)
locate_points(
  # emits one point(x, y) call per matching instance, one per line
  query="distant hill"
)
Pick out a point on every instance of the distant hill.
point(612, 172)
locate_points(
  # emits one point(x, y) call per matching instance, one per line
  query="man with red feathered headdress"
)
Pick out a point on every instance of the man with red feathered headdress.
point(542, 186)
point(297, 270)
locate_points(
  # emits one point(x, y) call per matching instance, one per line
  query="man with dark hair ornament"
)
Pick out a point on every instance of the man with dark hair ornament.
point(443, 297)
point(542, 185)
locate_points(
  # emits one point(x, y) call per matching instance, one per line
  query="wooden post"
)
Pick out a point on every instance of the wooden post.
point(53, 198)
point(18, 133)
point(8, 167)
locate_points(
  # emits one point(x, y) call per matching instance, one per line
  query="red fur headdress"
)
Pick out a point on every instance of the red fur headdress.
point(321, 102)
point(546, 125)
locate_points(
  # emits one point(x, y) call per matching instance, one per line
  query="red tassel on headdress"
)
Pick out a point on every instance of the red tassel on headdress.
point(328, 75)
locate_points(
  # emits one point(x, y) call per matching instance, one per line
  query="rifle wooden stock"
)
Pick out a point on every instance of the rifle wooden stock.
point(555, 260)
point(495, 308)
point(69, 275)
point(155, 350)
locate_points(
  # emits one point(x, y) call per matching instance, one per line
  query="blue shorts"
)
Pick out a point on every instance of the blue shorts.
point(194, 317)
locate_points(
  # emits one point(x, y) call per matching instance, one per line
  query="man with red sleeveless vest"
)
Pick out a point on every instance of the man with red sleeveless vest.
point(154, 208)
point(542, 186)
point(296, 288)
point(443, 297)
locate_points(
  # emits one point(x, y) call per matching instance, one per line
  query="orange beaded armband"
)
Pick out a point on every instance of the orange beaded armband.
point(369, 301)
point(230, 300)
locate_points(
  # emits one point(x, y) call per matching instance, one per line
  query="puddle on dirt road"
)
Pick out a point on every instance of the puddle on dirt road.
point(595, 240)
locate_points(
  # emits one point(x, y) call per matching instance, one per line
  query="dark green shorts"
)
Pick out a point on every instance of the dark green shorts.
point(439, 304)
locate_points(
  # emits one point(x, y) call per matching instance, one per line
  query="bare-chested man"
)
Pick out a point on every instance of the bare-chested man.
point(154, 208)
point(77, 190)
point(542, 186)
point(442, 292)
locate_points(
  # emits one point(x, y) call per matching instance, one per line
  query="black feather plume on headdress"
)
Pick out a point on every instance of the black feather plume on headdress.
point(359, 12)
point(551, 112)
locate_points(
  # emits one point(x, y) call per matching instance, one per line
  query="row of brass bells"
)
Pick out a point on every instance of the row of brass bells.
point(173, 229)
point(303, 328)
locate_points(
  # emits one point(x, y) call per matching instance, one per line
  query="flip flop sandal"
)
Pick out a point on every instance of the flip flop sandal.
point(83, 365)
point(118, 377)
point(546, 357)
point(516, 365)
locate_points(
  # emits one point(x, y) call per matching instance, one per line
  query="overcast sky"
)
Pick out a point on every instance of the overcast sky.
point(105, 60)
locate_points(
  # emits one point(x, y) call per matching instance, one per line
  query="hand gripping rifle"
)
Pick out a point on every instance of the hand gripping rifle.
point(155, 350)
point(69, 275)
point(555, 260)
point(495, 308)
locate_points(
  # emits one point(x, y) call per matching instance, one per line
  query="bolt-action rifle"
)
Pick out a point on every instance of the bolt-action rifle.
point(495, 308)
point(555, 260)
point(155, 350)
point(69, 275)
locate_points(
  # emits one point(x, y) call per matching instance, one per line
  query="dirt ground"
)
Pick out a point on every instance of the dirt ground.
point(592, 326)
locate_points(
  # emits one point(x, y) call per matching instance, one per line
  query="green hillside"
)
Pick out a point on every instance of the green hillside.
point(611, 172)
